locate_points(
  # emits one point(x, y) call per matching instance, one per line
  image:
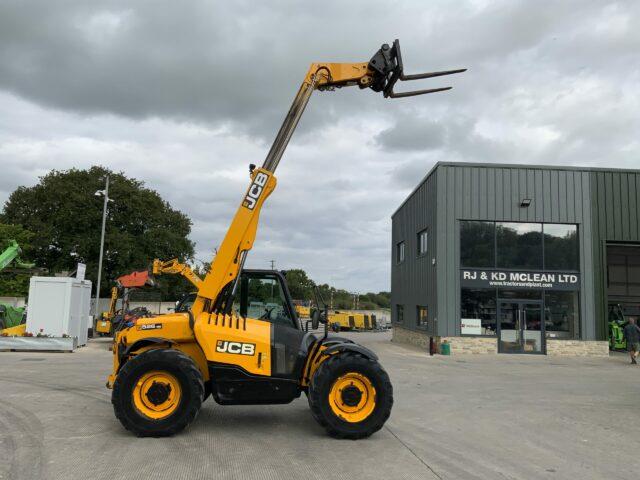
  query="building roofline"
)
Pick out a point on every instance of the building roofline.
point(519, 166)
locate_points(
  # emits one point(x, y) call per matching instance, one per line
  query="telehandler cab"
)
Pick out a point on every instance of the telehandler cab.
point(241, 340)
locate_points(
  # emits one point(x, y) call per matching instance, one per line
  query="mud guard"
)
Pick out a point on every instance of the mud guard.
point(144, 342)
point(350, 347)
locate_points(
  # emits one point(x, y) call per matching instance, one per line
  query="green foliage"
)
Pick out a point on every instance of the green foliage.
point(301, 288)
point(15, 284)
point(66, 215)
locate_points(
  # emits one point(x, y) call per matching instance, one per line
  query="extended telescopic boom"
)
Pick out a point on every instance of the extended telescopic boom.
point(380, 74)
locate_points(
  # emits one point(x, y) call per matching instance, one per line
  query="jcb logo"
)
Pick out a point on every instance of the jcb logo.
point(236, 348)
point(255, 190)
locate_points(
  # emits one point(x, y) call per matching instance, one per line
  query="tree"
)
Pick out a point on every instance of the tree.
point(66, 215)
point(15, 283)
point(300, 286)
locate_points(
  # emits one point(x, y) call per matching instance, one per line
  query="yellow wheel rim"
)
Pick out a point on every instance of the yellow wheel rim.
point(157, 395)
point(352, 397)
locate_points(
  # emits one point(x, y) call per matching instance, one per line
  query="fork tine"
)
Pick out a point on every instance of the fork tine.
point(418, 76)
point(393, 94)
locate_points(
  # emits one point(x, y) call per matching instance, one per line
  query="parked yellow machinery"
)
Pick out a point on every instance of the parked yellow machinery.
point(174, 267)
point(105, 322)
point(241, 340)
point(109, 320)
point(302, 309)
point(347, 320)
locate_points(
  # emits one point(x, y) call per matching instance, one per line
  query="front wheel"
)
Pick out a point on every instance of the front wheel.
point(158, 393)
point(351, 396)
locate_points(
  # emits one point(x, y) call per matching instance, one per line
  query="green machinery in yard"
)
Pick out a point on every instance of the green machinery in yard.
point(11, 316)
point(619, 315)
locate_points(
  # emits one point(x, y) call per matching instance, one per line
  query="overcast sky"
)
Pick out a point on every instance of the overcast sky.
point(184, 95)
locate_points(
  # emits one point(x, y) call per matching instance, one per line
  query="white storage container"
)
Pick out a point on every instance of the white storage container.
point(59, 306)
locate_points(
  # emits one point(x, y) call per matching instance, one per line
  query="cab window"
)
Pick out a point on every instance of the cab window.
point(262, 298)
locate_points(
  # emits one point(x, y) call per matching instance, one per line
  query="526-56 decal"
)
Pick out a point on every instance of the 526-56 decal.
point(235, 348)
point(150, 326)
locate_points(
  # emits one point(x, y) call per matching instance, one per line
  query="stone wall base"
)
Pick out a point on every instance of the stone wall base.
point(486, 345)
point(474, 345)
point(577, 348)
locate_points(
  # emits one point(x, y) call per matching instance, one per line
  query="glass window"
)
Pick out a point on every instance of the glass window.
point(400, 252)
point(560, 247)
point(519, 245)
point(422, 317)
point(480, 304)
point(262, 298)
point(521, 294)
point(400, 313)
point(186, 302)
point(477, 244)
point(561, 314)
point(423, 238)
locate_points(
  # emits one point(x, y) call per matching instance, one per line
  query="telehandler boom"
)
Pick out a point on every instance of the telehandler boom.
point(241, 341)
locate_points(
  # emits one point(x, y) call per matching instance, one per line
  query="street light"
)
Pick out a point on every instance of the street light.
point(101, 193)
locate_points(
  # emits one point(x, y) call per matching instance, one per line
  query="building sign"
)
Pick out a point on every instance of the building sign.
point(470, 326)
point(476, 278)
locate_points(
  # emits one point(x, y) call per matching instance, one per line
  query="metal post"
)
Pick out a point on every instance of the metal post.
point(104, 222)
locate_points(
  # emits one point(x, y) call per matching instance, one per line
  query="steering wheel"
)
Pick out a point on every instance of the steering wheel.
point(267, 313)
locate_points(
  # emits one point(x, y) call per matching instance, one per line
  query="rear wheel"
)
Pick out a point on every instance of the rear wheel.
point(158, 393)
point(351, 396)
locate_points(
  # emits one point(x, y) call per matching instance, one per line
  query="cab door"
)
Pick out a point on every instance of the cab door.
point(264, 296)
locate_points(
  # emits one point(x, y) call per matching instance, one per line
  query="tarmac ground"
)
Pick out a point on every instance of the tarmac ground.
point(459, 417)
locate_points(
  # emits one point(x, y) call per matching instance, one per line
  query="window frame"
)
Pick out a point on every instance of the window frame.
point(419, 324)
point(280, 282)
point(401, 246)
point(524, 269)
point(420, 252)
point(497, 255)
point(495, 301)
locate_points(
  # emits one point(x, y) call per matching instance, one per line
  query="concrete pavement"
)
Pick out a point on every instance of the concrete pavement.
point(471, 417)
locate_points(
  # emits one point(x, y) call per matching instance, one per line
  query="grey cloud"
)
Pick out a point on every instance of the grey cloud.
point(412, 134)
point(183, 95)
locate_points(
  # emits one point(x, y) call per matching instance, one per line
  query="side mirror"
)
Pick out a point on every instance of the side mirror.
point(315, 319)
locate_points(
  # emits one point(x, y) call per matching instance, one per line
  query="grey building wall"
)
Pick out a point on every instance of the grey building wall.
point(494, 192)
point(615, 217)
point(414, 280)
point(605, 204)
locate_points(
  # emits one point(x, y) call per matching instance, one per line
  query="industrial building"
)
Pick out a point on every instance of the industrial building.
point(516, 258)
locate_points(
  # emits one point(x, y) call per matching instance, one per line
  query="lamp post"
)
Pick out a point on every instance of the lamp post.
point(105, 194)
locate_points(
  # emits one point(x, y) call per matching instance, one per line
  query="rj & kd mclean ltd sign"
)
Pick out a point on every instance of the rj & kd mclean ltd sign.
point(519, 279)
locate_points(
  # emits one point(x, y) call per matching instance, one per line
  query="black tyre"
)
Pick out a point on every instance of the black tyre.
point(158, 393)
point(314, 411)
point(350, 396)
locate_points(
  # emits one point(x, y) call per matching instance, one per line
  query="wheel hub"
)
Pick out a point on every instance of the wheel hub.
point(158, 393)
point(351, 396)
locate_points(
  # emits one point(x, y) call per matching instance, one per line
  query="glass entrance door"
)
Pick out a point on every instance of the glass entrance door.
point(520, 325)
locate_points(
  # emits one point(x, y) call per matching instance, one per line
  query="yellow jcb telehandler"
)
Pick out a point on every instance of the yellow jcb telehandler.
point(241, 340)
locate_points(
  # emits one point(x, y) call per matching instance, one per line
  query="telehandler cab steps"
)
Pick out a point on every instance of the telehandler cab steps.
point(241, 341)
